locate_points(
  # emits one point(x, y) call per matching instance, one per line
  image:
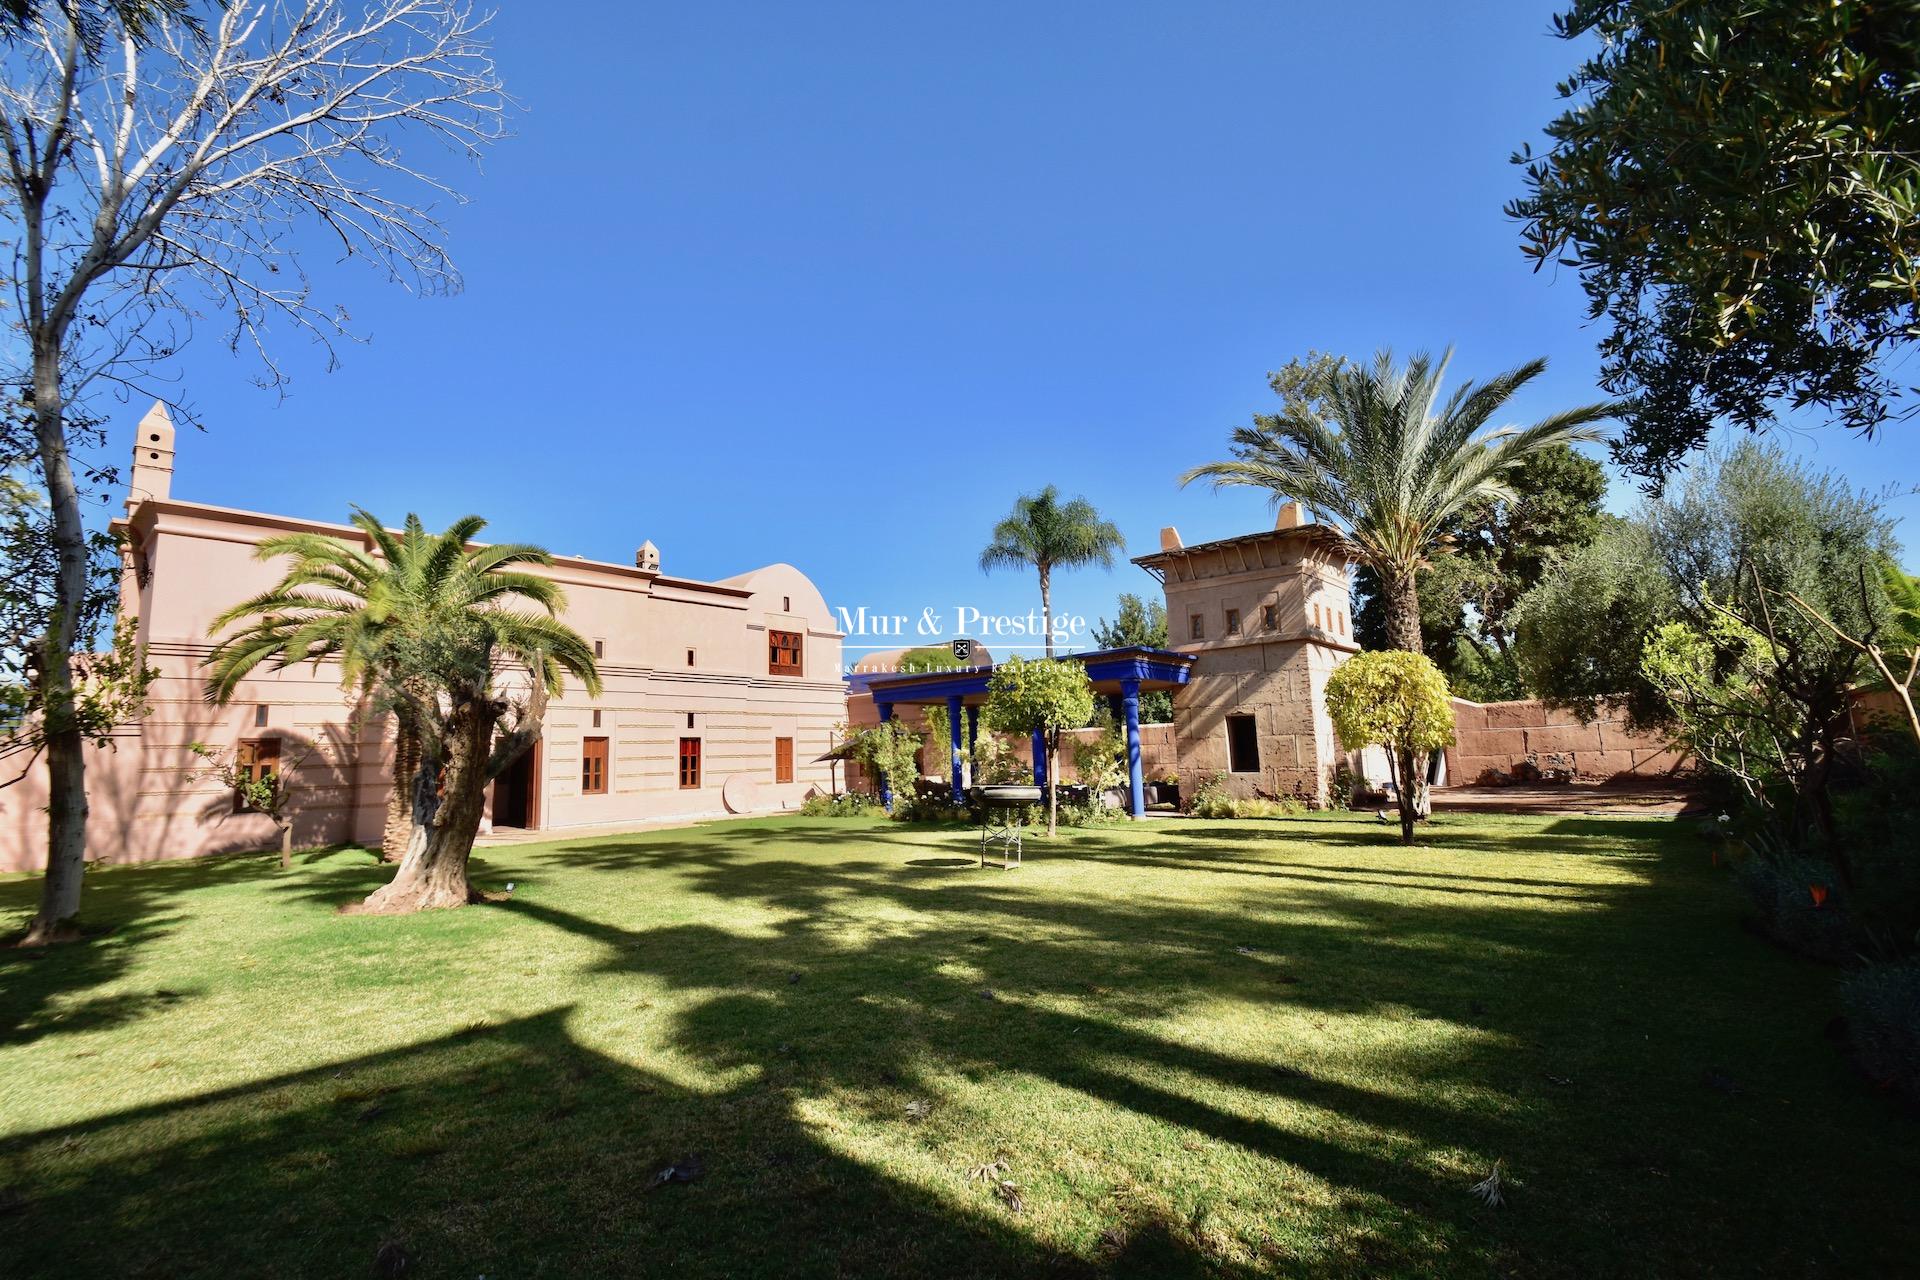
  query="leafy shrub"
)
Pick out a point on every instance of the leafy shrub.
point(930, 802)
point(1102, 762)
point(1797, 903)
point(1210, 800)
point(1208, 795)
point(1343, 785)
point(1876, 816)
point(1089, 814)
point(996, 761)
point(1882, 1002)
point(889, 751)
point(853, 804)
point(1268, 807)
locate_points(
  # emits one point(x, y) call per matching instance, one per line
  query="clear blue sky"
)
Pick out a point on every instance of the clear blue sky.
point(866, 272)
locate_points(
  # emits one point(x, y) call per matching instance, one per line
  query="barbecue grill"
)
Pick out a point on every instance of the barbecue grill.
point(1002, 806)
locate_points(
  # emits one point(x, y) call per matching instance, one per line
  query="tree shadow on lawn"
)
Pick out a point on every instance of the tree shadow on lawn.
point(1568, 1042)
point(127, 907)
point(507, 1149)
point(1606, 1010)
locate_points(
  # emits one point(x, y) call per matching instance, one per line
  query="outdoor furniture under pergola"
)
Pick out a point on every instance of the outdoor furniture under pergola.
point(1119, 675)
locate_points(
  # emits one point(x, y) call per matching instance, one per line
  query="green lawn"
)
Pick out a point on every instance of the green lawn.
point(1197, 1048)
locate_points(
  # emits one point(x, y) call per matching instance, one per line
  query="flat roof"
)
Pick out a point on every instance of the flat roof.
point(1324, 534)
point(351, 533)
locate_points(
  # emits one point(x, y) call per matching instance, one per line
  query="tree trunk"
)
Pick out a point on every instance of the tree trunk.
point(66, 747)
point(1046, 610)
point(1402, 591)
point(1406, 764)
point(1402, 594)
point(446, 817)
point(286, 845)
point(406, 762)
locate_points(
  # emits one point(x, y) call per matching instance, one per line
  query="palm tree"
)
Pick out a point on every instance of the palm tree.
point(354, 620)
point(1375, 450)
point(1043, 533)
point(429, 626)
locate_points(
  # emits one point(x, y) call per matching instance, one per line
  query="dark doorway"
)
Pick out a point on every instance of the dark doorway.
point(516, 792)
point(1243, 745)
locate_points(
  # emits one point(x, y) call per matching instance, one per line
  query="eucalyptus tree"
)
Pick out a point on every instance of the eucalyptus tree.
point(462, 642)
point(1376, 450)
point(159, 166)
point(1046, 534)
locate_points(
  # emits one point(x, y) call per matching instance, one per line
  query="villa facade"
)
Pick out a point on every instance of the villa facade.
point(719, 698)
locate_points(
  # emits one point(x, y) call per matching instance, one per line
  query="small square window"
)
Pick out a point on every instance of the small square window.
point(599, 648)
point(1270, 617)
point(1196, 627)
point(690, 657)
point(1233, 622)
point(260, 716)
point(786, 604)
point(596, 719)
point(689, 719)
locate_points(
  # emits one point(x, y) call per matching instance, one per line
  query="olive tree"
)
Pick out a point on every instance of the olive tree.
point(1399, 701)
point(158, 166)
point(1044, 695)
point(1737, 186)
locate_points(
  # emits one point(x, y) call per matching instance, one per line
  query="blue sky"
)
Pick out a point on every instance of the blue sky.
point(869, 271)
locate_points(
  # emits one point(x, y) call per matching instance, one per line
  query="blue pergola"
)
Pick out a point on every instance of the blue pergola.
point(1119, 674)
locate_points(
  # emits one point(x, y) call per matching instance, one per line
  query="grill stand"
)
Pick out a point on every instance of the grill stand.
point(1000, 829)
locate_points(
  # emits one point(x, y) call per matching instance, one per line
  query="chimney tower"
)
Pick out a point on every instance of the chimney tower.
point(152, 457)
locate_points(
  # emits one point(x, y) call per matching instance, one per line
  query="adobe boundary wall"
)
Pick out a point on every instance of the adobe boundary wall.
point(1495, 741)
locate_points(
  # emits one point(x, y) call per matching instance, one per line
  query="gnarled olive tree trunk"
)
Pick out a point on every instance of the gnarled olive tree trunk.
point(448, 794)
point(448, 800)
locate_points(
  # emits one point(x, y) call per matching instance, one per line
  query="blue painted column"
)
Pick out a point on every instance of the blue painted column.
point(953, 740)
point(886, 793)
point(1039, 758)
point(1130, 704)
point(973, 741)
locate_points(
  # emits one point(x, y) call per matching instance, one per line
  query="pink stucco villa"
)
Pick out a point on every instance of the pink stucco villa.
point(719, 698)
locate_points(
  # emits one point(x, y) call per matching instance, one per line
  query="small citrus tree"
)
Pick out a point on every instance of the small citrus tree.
point(260, 790)
point(1045, 695)
point(1399, 700)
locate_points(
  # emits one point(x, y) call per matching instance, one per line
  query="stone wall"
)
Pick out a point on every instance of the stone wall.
point(1493, 739)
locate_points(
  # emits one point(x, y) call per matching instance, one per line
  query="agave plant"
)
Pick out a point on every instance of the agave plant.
point(1376, 450)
